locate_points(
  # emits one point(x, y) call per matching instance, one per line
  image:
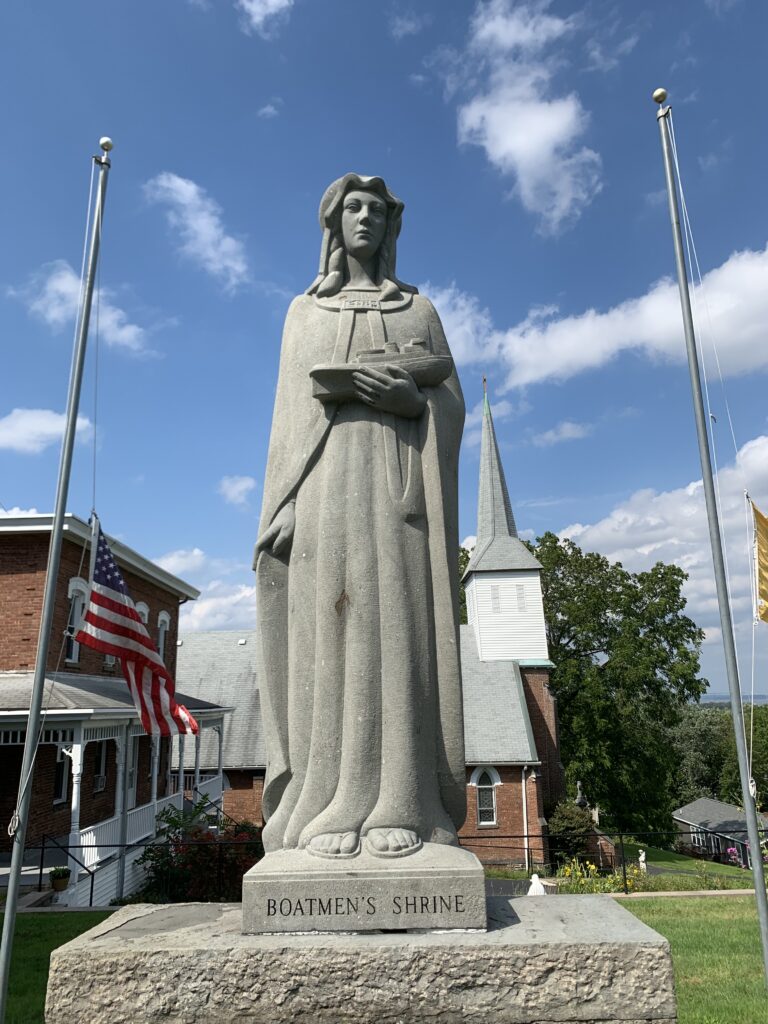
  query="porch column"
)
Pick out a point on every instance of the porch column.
point(120, 805)
point(153, 795)
point(76, 756)
point(181, 771)
point(169, 768)
point(197, 763)
point(220, 757)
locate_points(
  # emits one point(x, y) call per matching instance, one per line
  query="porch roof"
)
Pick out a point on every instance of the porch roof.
point(73, 696)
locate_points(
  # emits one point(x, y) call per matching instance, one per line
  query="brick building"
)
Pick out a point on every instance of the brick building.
point(510, 715)
point(98, 776)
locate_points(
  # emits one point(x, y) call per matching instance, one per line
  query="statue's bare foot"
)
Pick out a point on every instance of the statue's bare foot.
point(392, 842)
point(334, 844)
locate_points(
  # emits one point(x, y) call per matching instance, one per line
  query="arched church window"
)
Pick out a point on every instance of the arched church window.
point(486, 799)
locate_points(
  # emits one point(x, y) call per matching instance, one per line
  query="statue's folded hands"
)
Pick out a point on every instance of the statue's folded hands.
point(391, 389)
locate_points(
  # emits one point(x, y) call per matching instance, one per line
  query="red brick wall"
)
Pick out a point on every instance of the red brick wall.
point(542, 710)
point(22, 577)
point(503, 842)
point(242, 801)
point(23, 559)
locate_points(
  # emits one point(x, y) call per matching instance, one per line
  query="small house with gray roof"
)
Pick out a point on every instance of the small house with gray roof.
point(713, 828)
point(510, 716)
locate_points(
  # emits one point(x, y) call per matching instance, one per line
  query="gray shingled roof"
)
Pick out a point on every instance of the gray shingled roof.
point(717, 817)
point(496, 723)
point(216, 666)
point(498, 548)
point(497, 729)
point(68, 691)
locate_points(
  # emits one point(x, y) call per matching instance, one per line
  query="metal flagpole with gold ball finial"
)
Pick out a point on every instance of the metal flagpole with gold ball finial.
point(18, 827)
point(663, 117)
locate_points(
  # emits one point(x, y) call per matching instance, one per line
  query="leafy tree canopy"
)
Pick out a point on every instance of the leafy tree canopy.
point(463, 563)
point(626, 663)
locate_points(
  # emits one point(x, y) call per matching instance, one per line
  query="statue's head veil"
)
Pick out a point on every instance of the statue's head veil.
point(332, 270)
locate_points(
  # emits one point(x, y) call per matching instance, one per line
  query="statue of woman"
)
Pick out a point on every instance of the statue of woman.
point(356, 561)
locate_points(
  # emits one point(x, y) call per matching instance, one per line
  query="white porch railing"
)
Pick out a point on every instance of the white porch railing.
point(97, 839)
point(172, 800)
point(211, 788)
point(141, 823)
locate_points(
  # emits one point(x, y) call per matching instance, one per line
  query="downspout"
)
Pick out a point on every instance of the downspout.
point(526, 841)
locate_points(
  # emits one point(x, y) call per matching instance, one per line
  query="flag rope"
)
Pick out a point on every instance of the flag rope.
point(693, 261)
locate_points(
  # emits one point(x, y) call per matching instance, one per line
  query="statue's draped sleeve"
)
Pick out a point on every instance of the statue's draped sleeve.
point(300, 425)
point(443, 426)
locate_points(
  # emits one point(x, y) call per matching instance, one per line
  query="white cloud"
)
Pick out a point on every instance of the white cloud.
point(565, 431)
point(221, 606)
point(31, 431)
point(196, 218)
point(528, 130)
point(183, 561)
point(16, 511)
point(52, 295)
point(468, 326)
point(269, 110)
point(235, 489)
point(264, 16)
point(545, 347)
point(408, 23)
point(501, 410)
point(469, 542)
point(721, 7)
point(671, 526)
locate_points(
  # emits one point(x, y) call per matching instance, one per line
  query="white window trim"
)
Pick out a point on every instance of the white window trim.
point(495, 778)
point(100, 765)
point(142, 609)
point(77, 590)
point(163, 626)
point(61, 758)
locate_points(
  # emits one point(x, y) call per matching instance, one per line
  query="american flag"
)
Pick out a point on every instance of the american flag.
point(112, 625)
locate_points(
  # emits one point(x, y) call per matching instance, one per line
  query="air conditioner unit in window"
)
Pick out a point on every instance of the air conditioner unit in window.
point(99, 783)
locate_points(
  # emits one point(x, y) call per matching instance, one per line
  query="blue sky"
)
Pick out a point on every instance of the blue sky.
point(523, 140)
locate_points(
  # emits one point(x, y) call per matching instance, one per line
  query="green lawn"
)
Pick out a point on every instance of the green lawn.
point(716, 956)
point(36, 936)
point(671, 861)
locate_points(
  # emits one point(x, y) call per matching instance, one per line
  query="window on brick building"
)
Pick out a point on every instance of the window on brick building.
point(61, 776)
point(163, 624)
point(142, 609)
point(486, 799)
point(100, 767)
point(77, 592)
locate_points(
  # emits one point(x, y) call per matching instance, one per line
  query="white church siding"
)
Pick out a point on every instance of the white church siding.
point(508, 615)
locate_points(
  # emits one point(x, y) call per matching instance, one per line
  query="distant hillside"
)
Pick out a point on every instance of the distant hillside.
point(724, 698)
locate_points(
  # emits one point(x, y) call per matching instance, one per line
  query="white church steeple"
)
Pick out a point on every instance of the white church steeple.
point(503, 578)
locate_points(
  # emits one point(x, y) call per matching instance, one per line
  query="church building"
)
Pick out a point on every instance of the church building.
point(514, 773)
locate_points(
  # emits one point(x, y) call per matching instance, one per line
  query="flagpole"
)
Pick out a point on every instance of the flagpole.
point(21, 817)
point(726, 623)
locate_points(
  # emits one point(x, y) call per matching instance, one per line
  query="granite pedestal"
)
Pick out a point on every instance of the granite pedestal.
point(439, 886)
point(543, 960)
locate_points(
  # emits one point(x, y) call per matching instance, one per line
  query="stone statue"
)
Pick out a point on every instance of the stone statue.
point(356, 561)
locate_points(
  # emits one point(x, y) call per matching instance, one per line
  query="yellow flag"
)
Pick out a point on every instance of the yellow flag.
point(761, 561)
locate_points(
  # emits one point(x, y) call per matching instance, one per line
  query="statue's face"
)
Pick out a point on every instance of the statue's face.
point(363, 223)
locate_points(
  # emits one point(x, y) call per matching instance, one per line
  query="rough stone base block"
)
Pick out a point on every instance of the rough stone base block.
point(544, 960)
point(436, 887)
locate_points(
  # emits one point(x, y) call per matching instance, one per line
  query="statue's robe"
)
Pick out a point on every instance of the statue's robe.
point(358, 637)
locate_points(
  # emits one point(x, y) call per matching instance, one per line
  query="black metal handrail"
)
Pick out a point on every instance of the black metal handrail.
point(66, 849)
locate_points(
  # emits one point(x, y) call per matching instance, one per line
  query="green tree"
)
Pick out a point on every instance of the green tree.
point(700, 741)
point(463, 563)
point(730, 784)
point(570, 827)
point(626, 664)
